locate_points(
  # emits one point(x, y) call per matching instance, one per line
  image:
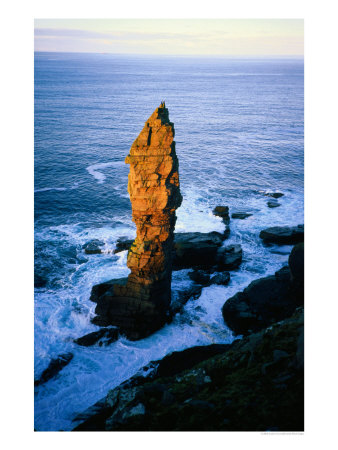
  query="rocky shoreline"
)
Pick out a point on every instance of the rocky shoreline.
point(254, 384)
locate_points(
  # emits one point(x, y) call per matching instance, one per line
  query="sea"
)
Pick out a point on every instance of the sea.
point(239, 135)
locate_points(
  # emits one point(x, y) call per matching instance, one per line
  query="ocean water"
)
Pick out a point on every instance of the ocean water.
point(239, 134)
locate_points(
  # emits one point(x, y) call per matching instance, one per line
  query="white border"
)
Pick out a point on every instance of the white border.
point(17, 218)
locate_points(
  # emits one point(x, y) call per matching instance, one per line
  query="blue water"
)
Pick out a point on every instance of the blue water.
point(239, 133)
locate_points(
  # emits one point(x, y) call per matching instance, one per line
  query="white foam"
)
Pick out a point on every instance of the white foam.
point(95, 169)
point(65, 313)
point(50, 189)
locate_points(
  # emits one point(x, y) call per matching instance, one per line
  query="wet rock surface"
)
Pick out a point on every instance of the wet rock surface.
point(268, 299)
point(229, 257)
point(274, 194)
point(54, 367)
point(283, 235)
point(181, 297)
point(200, 277)
point(123, 244)
point(273, 204)
point(102, 337)
point(196, 249)
point(240, 215)
point(93, 247)
point(220, 278)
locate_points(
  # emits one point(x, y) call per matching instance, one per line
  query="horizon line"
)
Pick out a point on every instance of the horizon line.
point(300, 56)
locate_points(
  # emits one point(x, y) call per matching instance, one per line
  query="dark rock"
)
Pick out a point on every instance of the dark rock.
point(123, 244)
point(39, 280)
point(236, 389)
point(283, 235)
point(94, 418)
point(190, 249)
point(93, 247)
point(229, 257)
point(274, 194)
point(263, 302)
point(200, 277)
point(176, 362)
point(141, 306)
point(240, 215)
point(273, 204)
point(180, 298)
point(99, 289)
point(196, 249)
point(296, 262)
point(200, 404)
point(104, 336)
point(55, 366)
point(220, 278)
point(221, 211)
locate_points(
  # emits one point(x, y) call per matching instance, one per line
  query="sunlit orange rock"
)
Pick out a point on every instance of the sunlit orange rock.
point(140, 305)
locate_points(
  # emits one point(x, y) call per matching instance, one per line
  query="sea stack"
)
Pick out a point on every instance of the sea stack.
point(140, 305)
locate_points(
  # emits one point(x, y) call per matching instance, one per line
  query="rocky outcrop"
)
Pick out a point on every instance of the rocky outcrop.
point(102, 337)
point(268, 299)
point(283, 235)
point(223, 212)
point(123, 244)
point(93, 247)
point(240, 215)
point(254, 384)
point(192, 249)
point(273, 204)
point(54, 367)
point(221, 279)
point(140, 306)
point(274, 194)
point(196, 249)
point(229, 257)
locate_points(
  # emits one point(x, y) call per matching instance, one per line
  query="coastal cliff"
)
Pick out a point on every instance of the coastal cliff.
point(139, 305)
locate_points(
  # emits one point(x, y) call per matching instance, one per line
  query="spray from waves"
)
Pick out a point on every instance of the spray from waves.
point(46, 189)
point(50, 189)
point(95, 169)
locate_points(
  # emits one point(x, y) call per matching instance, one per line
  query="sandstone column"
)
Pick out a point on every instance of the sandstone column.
point(141, 305)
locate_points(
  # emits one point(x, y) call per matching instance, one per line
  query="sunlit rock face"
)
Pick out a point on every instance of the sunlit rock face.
point(140, 306)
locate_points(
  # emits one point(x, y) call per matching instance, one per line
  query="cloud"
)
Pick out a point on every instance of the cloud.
point(117, 35)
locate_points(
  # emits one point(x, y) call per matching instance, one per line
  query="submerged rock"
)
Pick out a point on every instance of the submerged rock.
point(39, 280)
point(123, 244)
point(141, 305)
point(274, 194)
point(283, 235)
point(55, 366)
point(240, 215)
point(221, 278)
point(229, 257)
point(102, 337)
point(273, 204)
point(223, 212)
point(182, 297)
point(93, 247)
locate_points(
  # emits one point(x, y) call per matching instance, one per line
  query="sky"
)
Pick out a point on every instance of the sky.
point(219, 37)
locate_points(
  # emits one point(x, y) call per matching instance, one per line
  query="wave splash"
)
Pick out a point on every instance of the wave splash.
point(95, 170)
